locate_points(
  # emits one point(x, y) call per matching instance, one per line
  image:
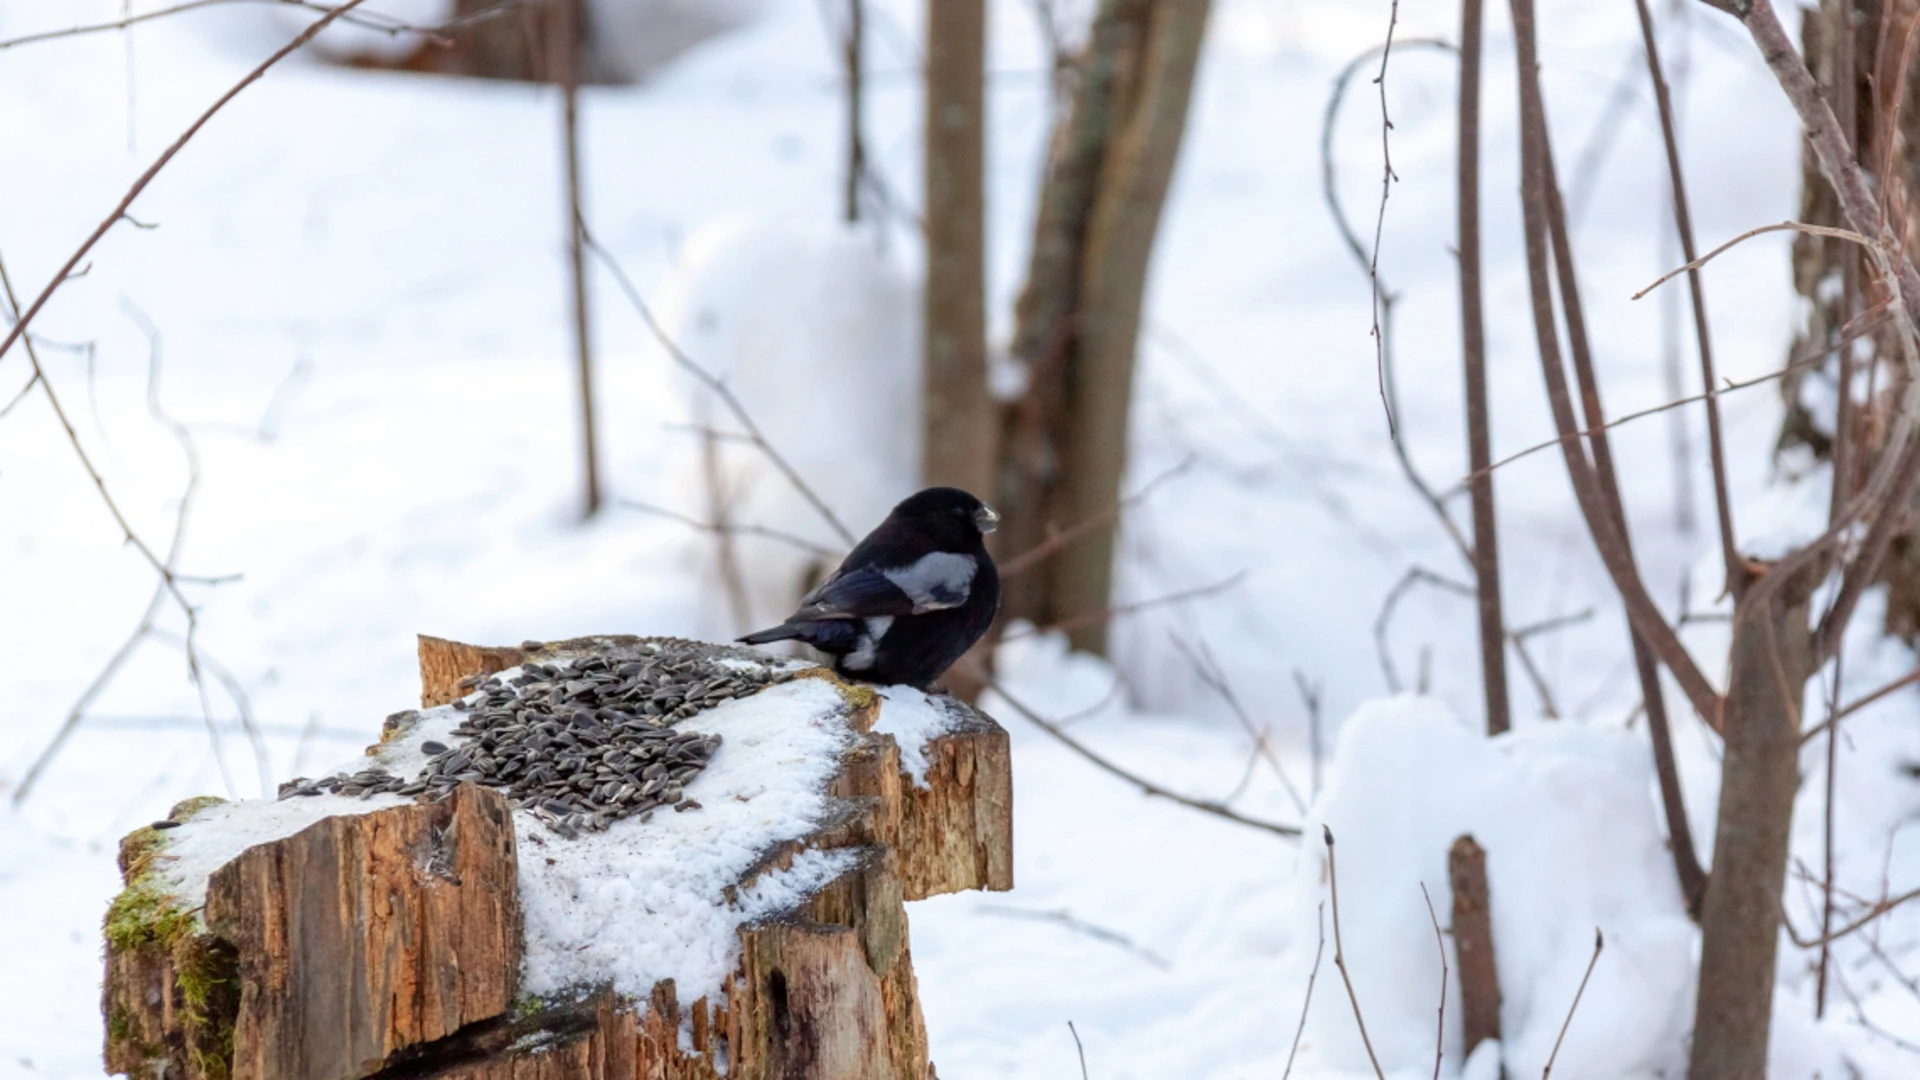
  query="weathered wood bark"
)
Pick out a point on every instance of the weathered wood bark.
point(1078, 319)
point(359, 936)
point(1473, 944)
point(1740, 921)
point(1853, 48)
point(336, 946)
point(959, 428)
point(170, 994)
point(387, 943)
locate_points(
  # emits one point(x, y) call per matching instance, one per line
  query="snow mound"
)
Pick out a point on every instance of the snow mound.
point(642, 901)
point(1573, 843)
point(818, 336)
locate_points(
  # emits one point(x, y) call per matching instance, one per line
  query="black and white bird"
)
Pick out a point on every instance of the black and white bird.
point(909, 599)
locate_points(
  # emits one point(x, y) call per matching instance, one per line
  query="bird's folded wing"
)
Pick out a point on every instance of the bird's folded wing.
point(854, 594)
point(936, 581)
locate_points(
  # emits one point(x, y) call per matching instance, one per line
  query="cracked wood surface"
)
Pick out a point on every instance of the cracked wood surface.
point(387, 944)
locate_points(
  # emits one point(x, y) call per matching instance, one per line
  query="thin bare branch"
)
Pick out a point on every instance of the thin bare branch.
point(1868, 321)
point(1383, 297)
point(167, 586)
point(1896, 685)
point(1387, 178)
point(1440, 1025)
point(1683, 222)
point(1307, 1002)
point(1826, 838)
point(119, 212)
point(566, 45)
point(1146, 786)
point(26, 388)
point(714, 384)
point(1841, 456)
point(732, 527)
point(1310, 698)
point(1875, 911)
point(1599, 942)
point(1598, 503)
point(1519, 638)
point(1067, 919)
point(1107, 614)
point(1693, 265)
point(1053, 544)
point(1214, 678)
point(1078, 1049)
point(1415, 575)
point(1596, 486)
point(1340, 953)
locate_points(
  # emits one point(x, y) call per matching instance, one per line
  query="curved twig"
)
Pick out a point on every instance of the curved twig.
point(1384, 297)
point(713, 383)
point(1148, 787)
point(66, 271)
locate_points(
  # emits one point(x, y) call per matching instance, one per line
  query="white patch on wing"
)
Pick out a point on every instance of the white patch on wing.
point(935, 582)
point(861, 658)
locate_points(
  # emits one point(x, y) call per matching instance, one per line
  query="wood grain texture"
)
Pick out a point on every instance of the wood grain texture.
point(361, 935)
point(387, 944)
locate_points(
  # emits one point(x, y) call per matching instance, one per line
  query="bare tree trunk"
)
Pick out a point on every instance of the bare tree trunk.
point(854, 48)
point(1473, 339)
point(1119, 252)
point(566, 44)
point(1740, 921)
point(1079, 317)
point(959, 411)
point(1033, 434)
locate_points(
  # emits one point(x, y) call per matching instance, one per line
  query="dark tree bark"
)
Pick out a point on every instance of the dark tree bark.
point(959, 426)
point(1078, 319)
point(1473, 342)
point(1740, 921)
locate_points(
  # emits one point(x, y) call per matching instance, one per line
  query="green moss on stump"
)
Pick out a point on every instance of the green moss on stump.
point(206, 973)
point(199, 971)
point(186, 808)
point(856, 695)
point(146, 914)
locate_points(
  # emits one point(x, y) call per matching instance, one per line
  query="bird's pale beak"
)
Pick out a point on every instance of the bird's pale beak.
point(986, 518)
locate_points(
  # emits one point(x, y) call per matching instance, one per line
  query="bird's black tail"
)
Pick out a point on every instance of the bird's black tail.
point(783, 632)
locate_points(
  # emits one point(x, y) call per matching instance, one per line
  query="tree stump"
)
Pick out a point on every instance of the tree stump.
point(335, 938)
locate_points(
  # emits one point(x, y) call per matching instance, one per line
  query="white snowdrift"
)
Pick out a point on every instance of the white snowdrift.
point(1573, 843)
point(644, 900)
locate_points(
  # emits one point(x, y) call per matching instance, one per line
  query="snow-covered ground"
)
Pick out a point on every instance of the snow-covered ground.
point(356, 285)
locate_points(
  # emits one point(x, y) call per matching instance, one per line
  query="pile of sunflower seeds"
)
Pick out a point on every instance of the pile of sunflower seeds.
point(578, 743)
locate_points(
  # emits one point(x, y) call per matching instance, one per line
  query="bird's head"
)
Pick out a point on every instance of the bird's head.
point(955, 519)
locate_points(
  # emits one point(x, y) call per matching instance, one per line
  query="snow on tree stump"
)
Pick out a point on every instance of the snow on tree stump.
point(751, 925)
